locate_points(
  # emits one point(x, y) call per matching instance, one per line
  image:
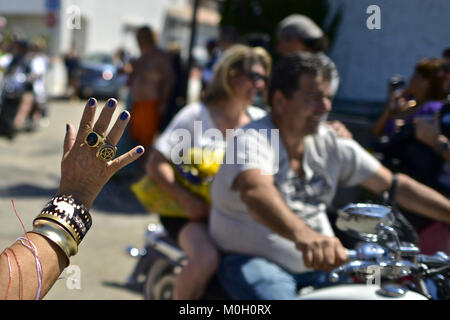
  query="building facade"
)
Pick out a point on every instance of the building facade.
point(367, 57)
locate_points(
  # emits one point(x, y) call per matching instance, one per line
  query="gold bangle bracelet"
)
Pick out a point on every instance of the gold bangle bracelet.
point(56, 234)
point(64, 223)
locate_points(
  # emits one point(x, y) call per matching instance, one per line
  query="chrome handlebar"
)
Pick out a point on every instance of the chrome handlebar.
point(369, 258)
point(352, 254)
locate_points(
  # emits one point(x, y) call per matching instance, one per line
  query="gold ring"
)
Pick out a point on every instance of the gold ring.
point(106, 152)
point(93, 139)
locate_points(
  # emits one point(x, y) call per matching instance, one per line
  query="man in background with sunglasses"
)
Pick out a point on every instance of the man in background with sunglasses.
point(298, 33)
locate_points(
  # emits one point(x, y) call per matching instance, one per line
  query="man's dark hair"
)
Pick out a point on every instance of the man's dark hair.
point(287, 72)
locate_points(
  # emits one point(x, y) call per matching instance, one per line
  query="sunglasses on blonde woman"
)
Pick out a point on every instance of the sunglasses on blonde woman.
point(255, 76)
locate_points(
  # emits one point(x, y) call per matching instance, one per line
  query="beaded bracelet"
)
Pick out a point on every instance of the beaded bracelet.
point(64, 221)
point(71, 215)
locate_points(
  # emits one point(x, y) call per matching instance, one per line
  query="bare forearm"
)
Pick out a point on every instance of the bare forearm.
point(23, 282)
point(422, 200)
point(267, 206)
point(162, 173)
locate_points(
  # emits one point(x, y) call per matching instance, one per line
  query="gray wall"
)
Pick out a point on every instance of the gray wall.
point(366, 59)
point(103, 21)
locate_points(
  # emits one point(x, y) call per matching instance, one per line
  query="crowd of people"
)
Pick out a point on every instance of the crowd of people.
point(264, 229)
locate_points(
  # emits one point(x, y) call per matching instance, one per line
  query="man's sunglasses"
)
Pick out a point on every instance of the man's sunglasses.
point(255, 77)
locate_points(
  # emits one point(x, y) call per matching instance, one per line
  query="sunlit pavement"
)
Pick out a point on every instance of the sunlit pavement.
point(29, 174)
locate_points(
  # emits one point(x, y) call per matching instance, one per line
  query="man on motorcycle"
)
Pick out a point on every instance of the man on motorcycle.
point(269, 201)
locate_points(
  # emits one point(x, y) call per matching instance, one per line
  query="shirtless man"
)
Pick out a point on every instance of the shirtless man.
point(151, 85)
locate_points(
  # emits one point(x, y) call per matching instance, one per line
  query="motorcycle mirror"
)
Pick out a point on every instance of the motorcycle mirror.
point(361, 220)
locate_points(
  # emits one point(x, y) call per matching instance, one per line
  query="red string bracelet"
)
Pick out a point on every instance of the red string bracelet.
point(34, 251)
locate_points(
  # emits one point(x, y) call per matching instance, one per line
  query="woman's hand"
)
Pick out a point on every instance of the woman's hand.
point(397, 103)
point(83, 174)
point(340, 129)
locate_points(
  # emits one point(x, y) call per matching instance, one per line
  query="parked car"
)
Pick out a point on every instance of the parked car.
point(98, 76)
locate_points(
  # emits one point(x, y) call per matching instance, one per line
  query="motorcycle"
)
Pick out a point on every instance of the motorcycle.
point(382, 266)
point(385, 267)
point(159, 262)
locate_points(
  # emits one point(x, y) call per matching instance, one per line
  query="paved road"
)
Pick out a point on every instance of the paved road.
point(29, 174)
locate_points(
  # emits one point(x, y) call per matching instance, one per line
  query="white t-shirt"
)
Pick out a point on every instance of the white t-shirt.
point(328, 161)
point(192, 127)
point(39, 66)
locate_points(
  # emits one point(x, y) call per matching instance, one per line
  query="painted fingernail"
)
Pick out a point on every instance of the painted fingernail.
point(140, 150)
point(111, 103)
point(67, 127)
point(123, 116)
point(91, 102)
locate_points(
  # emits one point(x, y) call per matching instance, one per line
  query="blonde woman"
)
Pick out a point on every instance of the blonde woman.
point(240, 73)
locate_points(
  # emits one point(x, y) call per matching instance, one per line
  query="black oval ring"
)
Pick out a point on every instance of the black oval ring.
point(93, 139)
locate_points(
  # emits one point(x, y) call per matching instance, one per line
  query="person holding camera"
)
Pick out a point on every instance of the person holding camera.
point(419, 103)
point(422, 97)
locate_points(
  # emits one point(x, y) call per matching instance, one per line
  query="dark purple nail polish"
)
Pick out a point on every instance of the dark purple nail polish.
point(67, 127)
point(111, 103)
point(123, 116)
point(91, 102)
point(140, 150)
